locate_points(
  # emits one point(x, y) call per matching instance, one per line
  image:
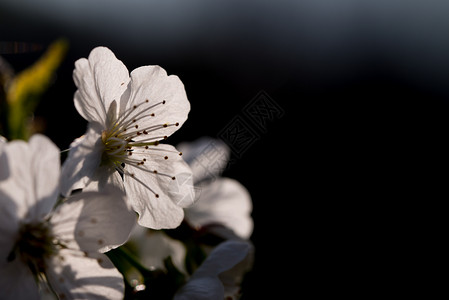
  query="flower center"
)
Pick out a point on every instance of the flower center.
point(131, 139)
point(36, 242)
point(126, 133)
point(115, 147)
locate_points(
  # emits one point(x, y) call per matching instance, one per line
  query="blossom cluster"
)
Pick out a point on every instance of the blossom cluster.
point(125, 214)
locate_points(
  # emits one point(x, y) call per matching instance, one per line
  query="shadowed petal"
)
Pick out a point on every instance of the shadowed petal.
point(224, 201)
point(17, 282)
point(84, 158)
point(32, 179)
point(205, 280)
point(98, 221)
point(207, 157)
point(74, 276)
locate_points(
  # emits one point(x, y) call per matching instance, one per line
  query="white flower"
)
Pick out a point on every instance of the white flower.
point(128, 115)
point(208, 282)
point(62, 246)
point(153, 246)
point(220, 200)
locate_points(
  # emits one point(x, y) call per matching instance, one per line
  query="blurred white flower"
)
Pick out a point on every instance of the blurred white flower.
point(220, 200)
point(62, 246)
point(128, 115)
point(153, 246)
point(210, 282)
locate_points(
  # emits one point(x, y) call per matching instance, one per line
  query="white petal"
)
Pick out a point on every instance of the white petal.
point(152, 83)
point(74, 276)
point(46, 170)
point(100, 79)
point(207, 157)
point(103, 177)
point(84, 158)
point(9, 225)
point(202, 288)
point(205, 280)
point(156, 210)
point(97, 221)
point(224, 201)
point(17, 282)
point(4, 170)
point(225, 256)
point(153, 246)
point(142, 185)
point(32, 176)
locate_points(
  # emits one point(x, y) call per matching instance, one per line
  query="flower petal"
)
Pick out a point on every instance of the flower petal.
point(9, 221)
point(156, 210)
point(9, 225)
point(223, 201)
point(46, 171)
point(205, 280)
point(17, 282)
point(74, 276)
point(207, 157)
point(104, 177)
point(167, 102)
point(225, 256)
point(97, 221)
point(153, 246)
point(202, 288)
point(32, 176)
point(100, 79)
point(159, 189)
point(84, 158)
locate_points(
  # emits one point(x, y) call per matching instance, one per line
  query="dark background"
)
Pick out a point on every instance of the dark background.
point(363, 89)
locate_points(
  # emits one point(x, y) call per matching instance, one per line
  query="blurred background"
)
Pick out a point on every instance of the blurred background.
point(358, 90)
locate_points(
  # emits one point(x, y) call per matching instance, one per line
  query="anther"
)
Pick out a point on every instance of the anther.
point(166, 157)
point(177, 124)
point(165, 137)
point(173, 178)
point(180, 153)
point(147, 100)
point(165, 125)
point(163, 102)
point(137, 126)
point(135, 106)
point(155, 171)
point(146, 147)
point(157, 195)
point(152, 115)
point(145, 132)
